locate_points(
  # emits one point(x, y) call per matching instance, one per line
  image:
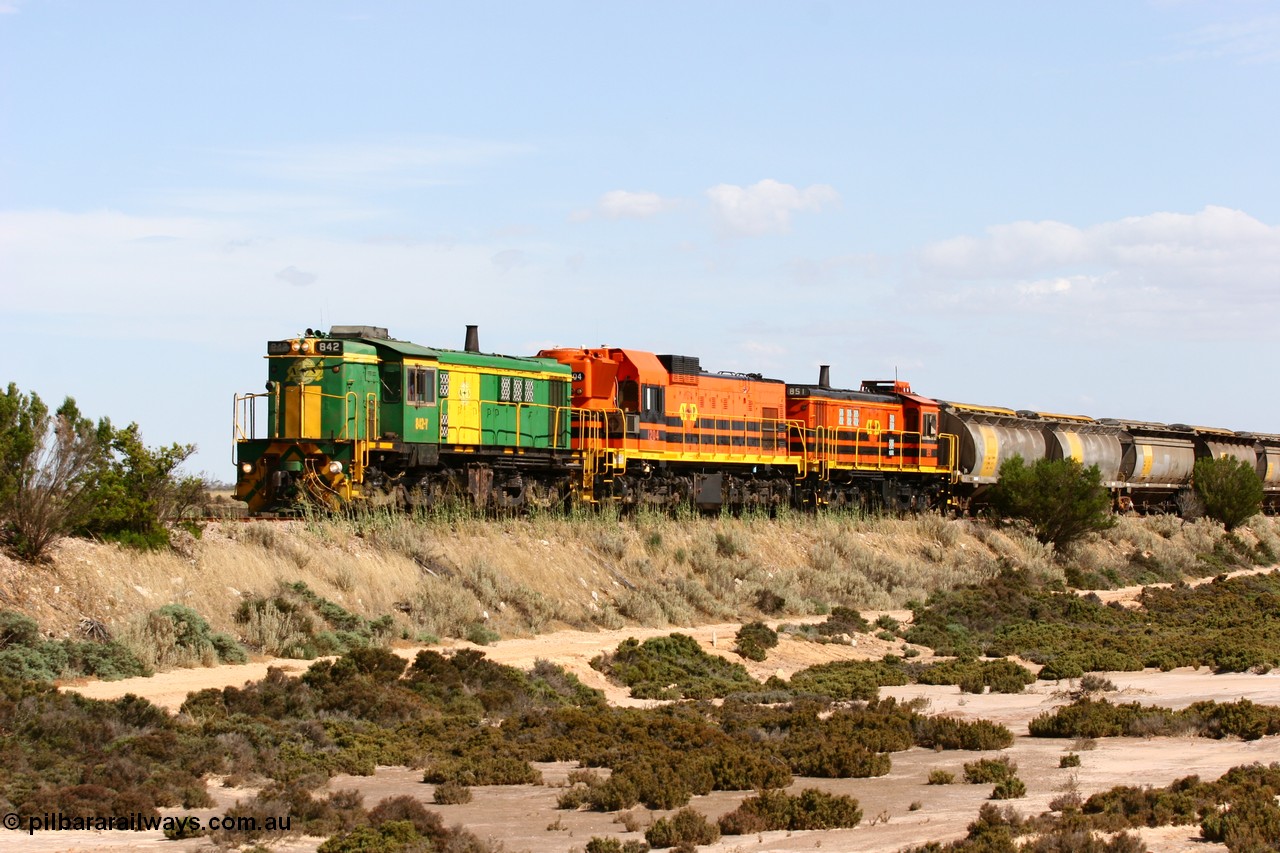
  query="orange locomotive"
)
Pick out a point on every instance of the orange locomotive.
point(657, 429)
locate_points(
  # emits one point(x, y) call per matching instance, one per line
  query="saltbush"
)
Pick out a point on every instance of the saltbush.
point(26, 655)
point(686, 826)
point(989, 770)
point(451, 794)
point(774, 810)
point(851, 679)
point(299, 623)
point(673, 667)
point(755, 639)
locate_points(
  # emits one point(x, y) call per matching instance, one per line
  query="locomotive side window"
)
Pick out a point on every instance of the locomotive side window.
point(652, 399)
point(930, 426)
point(420, 386)
point(391, 383)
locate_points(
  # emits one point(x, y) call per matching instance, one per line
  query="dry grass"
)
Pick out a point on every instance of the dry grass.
point(444, 576)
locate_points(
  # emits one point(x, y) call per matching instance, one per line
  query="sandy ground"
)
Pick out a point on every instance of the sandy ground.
point(899, 809)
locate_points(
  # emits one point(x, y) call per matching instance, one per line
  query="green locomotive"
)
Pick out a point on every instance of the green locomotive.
point(357, 415)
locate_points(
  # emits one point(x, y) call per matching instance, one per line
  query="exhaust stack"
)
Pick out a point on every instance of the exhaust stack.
point(824, 376)
point(473, 339)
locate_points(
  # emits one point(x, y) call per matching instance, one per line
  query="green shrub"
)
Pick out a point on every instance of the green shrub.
point(1252, 823)
point(1093, 683)
point(17, 629)
point(483, 768)
point(755, 639)
point(777, 810)
point(852, 679)
point(972, 676)
point(885, 622)
point(1071, 759)
point(1061, 499)
point(941, 777)
point(1229, 488)
point(26, 656)
point(1009, 789)
point(684, 827)
point(649, 668)
point(604, 845)
point(299, 623)
point(989, 770)
point(951, 733)
point(1089, 718)
point(451, 794)
point(482, 635)
point(769, 602)
point(175, 635)
point(843, 620)
point(613, 794)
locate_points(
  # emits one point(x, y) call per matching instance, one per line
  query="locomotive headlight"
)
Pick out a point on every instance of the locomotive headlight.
point(306, 346)
point(247, 467)
point(335, 467)
point(294, 346)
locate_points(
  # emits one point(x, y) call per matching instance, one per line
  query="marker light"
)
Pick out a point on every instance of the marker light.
point(247, 467)
point(294, 345)
point(306, 346)
point(335, 467)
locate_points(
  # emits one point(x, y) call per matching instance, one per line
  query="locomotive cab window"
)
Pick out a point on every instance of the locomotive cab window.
point(628, 395)
point(420, 386)
point(930, 426)
point(391, 383)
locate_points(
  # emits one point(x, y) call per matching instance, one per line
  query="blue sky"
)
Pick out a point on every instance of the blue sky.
point(1067, 207)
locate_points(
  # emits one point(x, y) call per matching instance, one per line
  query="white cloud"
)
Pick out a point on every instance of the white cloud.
point(509, 259)
point(1008, 250)
point(765, 207)
point(1210, 270)
point(625, 204)
point(295, 276)
point(1252, 41)
point(620, 204)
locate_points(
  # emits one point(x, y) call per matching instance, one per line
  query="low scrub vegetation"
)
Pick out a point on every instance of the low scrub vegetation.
point(298, 623)
point(25, 655)
point(754, 641)
point(774, 810)
point(1214, 624)
point(989, 770)
point(1238, 810)
point(672, 667)
point(1090, 718)
point(175, 635)
point(684, 828)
